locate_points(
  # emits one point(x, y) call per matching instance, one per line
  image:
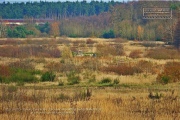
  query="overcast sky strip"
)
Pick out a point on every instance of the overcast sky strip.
point(57, 0)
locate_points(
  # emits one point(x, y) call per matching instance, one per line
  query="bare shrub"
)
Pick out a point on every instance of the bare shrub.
point(4, 71)
point(9, 51)
point(91, 64)
point(154, 96)
point(66, 53)
point(54, 66)
point(145, 66)
point(22, 64)
point(123, 69)
point(9, 42)
point(55, 53)
point(135, 54)
point(26, 51)
point(119, 40)
point(62, 67)
point(171, 73)
point(163, 53)
point(73, 78)
point(90, 41)
point(89, 75)
point(106, 49)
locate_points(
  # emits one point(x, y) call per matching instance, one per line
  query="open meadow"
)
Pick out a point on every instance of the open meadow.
point(88, 79)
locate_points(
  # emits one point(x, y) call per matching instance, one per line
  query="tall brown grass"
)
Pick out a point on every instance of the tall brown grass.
point(23, 103)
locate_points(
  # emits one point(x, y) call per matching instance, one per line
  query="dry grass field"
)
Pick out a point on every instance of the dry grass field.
point(74, 103)
point(88, 79)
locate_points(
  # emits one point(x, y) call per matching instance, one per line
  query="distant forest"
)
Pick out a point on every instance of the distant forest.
point(55, 10)
point(94, 19)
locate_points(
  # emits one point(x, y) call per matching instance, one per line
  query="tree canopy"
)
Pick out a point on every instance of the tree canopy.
point(54, 10)
point(93, 19)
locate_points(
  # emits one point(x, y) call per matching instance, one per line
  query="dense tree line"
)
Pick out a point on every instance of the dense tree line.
point(109, 20)
point(86, 26)
point(55, 10)
point(128, 22)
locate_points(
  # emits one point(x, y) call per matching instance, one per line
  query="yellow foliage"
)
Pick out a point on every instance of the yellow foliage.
point(140, 32)
point(55, 31)
point(66, 53)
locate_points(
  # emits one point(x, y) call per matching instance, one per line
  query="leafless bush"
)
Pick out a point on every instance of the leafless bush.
point(26, 51)
point(9, 42)
point(135, 54)
point(23, 64)
point(123, 69)
point(163, 53)
point(146, 66)
point(91, 64)
point(105, 49)
point(119, 40)
point(90, 41)
point(171, 73)
point(5, 71)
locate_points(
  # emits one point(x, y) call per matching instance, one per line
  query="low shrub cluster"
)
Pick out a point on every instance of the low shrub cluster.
point(21, 74)
point(105, 80)
point(105, 50)
point(48, 76)
point(146, 66)
point(135, 54)
point(18, 75)
point(141, 66)
point(171, 73)
point(62, 67)
point(90, 41)
point(109, 82)
point(123, 69)
point(9, 42)
point(26, 51)
point(22, 64)
point(108, 34)
point(73, 78)
point(163, 53)
point(5, 71)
